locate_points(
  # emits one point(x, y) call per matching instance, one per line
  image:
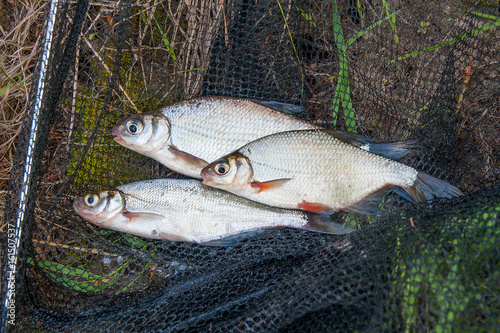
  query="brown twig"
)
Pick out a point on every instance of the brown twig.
point(468, 75)
point(74, 248)
point(106, 68)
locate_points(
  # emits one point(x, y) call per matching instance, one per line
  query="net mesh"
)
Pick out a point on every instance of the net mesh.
point(390, 70)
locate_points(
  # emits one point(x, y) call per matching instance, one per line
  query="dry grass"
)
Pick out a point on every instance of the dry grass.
point(20, 23)
point(187, 25)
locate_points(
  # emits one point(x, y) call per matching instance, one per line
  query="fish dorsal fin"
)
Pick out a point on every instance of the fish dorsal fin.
point(370, 204)
point(351, 138)
point(285, 108)
point(393, 150)
point(324, 224)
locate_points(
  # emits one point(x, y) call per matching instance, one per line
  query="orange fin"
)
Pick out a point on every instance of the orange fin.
point(130, 216)
point(313, 207)
point(263, 186)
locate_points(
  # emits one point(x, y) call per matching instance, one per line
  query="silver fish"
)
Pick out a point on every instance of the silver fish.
point(187, 135)
point(188, 211)
point(313, 171)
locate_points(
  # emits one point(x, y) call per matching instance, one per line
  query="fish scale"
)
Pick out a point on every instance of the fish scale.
point(186, 210)
point(187, 135)
point(311, 169)
point(201, 128)
point(319, 158)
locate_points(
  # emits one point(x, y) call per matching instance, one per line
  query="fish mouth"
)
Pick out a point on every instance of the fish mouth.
point(77, 206)
point(207, 176)
point(116, 136)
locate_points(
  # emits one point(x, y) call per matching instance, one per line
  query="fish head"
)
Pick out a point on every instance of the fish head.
point(143, 133)
point(229, 173)
point(100, 207)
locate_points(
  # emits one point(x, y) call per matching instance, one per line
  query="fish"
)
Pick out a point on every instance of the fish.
point(185, 210)
point(313, 171)
point(185, 136)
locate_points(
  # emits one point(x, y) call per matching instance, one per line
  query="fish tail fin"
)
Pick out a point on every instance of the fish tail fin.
point(393, 150)
point(323, 223)
point(427, 187)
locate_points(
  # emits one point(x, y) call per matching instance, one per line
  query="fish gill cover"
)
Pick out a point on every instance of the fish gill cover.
point(389, 70)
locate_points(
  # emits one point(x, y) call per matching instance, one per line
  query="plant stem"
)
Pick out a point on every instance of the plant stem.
point(342, 91)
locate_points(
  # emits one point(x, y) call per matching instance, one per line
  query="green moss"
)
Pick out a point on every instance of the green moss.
point(86, 272)
point(103, 162)
point(96, 160)
point(445, 279)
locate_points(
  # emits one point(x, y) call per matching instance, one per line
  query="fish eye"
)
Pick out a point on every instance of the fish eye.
point(135, 126)
point(91, 200)
point(221, 168)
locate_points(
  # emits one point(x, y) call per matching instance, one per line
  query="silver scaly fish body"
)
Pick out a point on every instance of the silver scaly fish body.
point(207, 126)
point(187, 210)
point(187, 135)
point(314, 171)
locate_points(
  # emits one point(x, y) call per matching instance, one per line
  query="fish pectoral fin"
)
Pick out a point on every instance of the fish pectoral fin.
point(263, 186)
point(174, 238)
point(232, 239)
point(314, 207)
point(324, 224)
point(133, 216)
point(369, 205)
point(187, 158)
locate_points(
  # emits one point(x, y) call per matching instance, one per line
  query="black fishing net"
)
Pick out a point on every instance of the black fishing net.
point(389, 70)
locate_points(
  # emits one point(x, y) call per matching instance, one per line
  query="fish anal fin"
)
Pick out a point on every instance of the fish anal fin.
point(323, 223)
point(264, 186)
point(405, 193)
point(314, 207)
point(232, 239)
point(369, 205)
